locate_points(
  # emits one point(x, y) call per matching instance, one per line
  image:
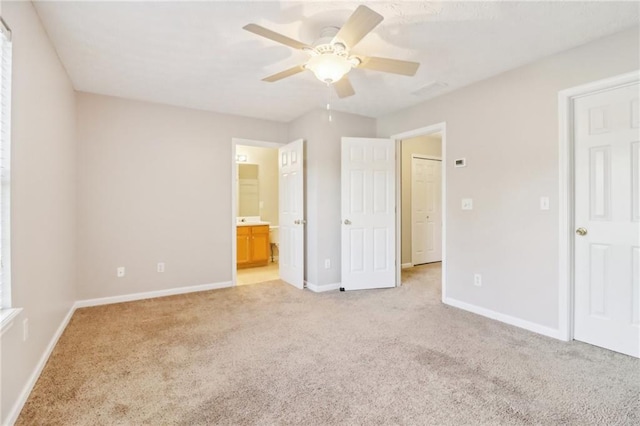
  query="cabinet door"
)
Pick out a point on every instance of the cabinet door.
point(243, 245)
point(260, 244)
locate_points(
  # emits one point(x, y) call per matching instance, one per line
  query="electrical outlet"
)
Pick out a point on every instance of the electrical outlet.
point(25, 329)
point(160, 266)
point(327, 263)
point(477, 280)
point(467, 204)
point(120, 272)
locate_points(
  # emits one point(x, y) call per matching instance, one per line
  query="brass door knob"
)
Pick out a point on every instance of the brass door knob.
point(581, 231)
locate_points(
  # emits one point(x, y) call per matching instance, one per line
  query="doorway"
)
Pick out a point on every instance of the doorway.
point(256, 212)
point(428, 142)
point(421, 194)
point(257, 241)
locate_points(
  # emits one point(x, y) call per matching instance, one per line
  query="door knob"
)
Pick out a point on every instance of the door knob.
point(347, 222)
point(297, 222)
point(581, 231)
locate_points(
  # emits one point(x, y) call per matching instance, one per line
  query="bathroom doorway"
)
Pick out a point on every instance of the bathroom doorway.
point(256, 227)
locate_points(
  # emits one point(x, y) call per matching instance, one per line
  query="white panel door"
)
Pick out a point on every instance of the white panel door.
point(368, 213)
point(426, 210)
point(291, 213)
point(607, 193)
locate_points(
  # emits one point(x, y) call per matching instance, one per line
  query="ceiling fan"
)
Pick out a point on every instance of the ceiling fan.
point(331, 58)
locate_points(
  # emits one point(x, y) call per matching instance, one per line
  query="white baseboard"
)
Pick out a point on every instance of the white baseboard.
point(31, 382)
point(527, 325)
point(321, 288)
point(151, 294)
point(406, 265)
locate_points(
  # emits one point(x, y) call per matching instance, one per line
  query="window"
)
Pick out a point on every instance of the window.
point(5, 175)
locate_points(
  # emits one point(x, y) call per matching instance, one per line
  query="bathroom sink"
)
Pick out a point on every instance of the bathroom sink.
point(250, 221)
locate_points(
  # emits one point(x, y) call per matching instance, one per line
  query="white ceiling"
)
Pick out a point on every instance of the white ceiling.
point(196, 54)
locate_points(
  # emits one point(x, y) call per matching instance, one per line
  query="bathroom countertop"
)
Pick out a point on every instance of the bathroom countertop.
point(251, 223)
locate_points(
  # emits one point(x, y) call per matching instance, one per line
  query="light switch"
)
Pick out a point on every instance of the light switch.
point(467, 204)
point(544, 203)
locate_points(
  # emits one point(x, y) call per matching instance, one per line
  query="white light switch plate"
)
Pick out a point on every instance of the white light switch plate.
point(467, 204)
point(544, 203)
point(477, 280)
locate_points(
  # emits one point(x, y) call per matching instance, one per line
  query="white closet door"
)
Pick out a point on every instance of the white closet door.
point(607, 214)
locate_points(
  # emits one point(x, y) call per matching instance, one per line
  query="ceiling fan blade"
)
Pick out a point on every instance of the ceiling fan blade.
point(394, 66)
point(359, 24)
point(284, 74)
point(343, 87)
point(277, 37)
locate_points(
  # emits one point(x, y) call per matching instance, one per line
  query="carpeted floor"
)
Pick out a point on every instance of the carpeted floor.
point(270, 354)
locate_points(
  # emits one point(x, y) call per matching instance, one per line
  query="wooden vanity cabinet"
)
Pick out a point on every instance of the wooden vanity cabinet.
point(243, 236)
point(252, 245)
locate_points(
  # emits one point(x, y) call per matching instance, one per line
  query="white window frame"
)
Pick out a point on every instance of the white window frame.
point(7, 311)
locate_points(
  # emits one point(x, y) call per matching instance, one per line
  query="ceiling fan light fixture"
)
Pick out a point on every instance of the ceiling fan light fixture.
point(330, 59)
point(329, 67)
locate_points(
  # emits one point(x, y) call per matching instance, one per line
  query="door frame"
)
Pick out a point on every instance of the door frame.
point(441, 128)
point(234, 195)
point(422, 157)
point(566, 283)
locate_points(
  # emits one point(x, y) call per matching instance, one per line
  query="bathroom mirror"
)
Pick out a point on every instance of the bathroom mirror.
point(248, 190)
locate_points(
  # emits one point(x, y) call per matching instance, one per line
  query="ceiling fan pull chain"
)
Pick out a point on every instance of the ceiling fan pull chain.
point(329, 101)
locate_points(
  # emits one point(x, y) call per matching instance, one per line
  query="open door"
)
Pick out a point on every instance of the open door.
point(291, 228)
point(607, 220)
point(368, 213)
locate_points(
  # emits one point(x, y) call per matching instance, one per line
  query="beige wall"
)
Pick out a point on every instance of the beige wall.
point(154, 185)
point(138, 205)
point(267, 161)
point(430, 145)
point(43, 205)
point(322, 204)
point(507, 128)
